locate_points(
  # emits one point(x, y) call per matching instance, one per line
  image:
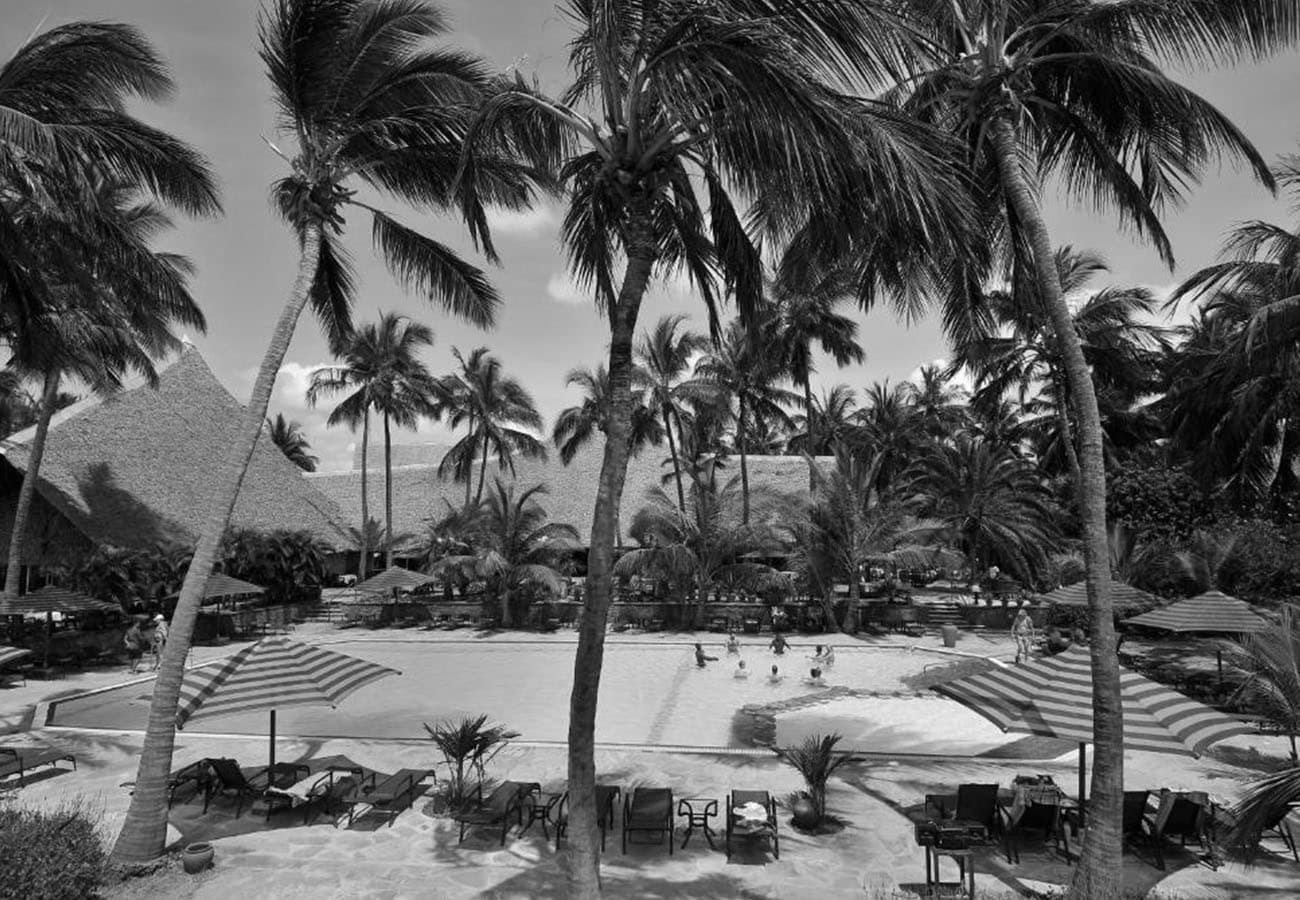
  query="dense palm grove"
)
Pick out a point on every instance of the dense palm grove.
point(888, 153)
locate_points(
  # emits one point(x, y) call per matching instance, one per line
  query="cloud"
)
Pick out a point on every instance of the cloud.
point(522, 222)
point(561, 288)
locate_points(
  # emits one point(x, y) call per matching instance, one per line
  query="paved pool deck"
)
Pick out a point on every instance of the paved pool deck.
point(873, 856)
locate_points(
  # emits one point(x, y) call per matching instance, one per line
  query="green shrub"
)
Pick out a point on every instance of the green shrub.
point(467, 744)
point(50, 854)
point(816, 759)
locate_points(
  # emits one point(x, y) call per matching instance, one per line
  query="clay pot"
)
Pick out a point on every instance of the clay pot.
point(197, 857)
point(803, 813)
point(949, 635)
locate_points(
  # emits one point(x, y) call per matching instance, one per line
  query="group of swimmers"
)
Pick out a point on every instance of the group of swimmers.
point(822, 658)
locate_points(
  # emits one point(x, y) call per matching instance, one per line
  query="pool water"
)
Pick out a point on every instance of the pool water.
point(650, 694)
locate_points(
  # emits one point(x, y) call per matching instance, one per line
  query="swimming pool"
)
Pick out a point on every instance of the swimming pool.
point(651, 694)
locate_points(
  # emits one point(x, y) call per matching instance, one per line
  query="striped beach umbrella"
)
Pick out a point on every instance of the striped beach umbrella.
point(53, 599)
point(10, 654)
point(1052, 697)
point(1120, 595)
point(270, 675)
point(1213, 612)
point(393, 579)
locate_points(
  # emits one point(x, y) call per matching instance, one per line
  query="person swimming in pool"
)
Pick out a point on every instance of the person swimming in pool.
point(701, 658)
point(733, 644)
point(779, 643)
point(775, 677)
point(817, 654)
point(828, 657)
point(815, 677)
point(741, 671)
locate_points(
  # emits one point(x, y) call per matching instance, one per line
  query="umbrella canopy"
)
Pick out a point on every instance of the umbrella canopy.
point(272, 674)
point(9, 654)
point(394, 579)
point(1209, 613)
point(220, 586)
point(1120, 594)
point(1053, 698)
point(53, 600)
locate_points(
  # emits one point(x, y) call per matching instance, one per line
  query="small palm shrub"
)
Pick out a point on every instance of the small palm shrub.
point(467, 744)
point(817, 760)
point(51, 854)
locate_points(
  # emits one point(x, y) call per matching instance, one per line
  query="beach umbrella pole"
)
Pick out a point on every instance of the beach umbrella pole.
point(273, 742)
point(1083, 766)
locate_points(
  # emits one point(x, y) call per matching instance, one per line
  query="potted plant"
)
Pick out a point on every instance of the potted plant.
point(817, 760)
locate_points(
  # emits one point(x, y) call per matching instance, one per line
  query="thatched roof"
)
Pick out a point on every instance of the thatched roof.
point(134, 469)
point(419, 495)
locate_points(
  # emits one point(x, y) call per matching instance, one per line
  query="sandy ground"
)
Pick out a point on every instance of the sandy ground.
point(873, 856)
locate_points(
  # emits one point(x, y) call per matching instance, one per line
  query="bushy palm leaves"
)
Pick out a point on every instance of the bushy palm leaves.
point(288, 437)
point(703, 545)
point(499, 415)
point(826, 422)
point(576, 426)
point(513, 546)
point(816, 759)
point(992, 504)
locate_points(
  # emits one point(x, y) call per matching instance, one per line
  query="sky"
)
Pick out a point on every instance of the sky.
point(246, 258)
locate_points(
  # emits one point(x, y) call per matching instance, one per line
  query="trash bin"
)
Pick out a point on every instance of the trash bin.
point(949, 635)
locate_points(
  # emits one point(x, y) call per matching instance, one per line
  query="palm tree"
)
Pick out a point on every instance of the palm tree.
point(668, 97)
point(702, 546)
point(576, 426)
point(514, 545)
point(993, 505)
point(115, 316)
point(939, 407)
point(664, 355)
point(1232, 396)
point(891, 429)
point(288, 436)
point(853, 522)
point(370, 100)
point(63, 101)
point(747, 374)
point(827, 422)
point(804, 316)
point(1020, 354)
point(500, 415)
point(1066, 88)
point(382, 369)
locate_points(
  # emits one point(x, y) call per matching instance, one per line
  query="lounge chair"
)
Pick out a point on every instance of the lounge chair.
point(1135, 827)
point(393, 794)
point(229, 780)
point(196, 775)
point(21, 760)
point(506, 800)
point(337, 792)
point(1178, 816)
point(606, 796)
point(742, 828)
point(650, 810)
point(1038, 818)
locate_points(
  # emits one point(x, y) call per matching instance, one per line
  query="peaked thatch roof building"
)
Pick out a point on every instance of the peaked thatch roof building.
point(419, 495)
point(133, 470)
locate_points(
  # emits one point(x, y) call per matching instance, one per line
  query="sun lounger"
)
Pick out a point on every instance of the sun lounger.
point(21, 760)
point(649, 810)
point(606, 796)
point(1178, 816)
point(1136, 824)
point(391, 795)
point(197, 776)
point(229, 780)
point(506, 800)
point(744, 825)
point(336, 792)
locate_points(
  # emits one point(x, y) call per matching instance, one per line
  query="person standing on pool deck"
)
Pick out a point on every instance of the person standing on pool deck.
point(133, 640)
point(700, 658)
point(778, 644)
point(1022, 629)
point(159, 639)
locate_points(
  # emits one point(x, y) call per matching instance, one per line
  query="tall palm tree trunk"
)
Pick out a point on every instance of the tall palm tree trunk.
point(469, 465)
point(27, 493)
point(388, 496)
point(744, 464)
point(812, 437)
point(677, 463)
point(1067, 431)
point(144, 833)
point(584, 841)
point(482, 466)
point(363, 567)
point(1097, 876)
